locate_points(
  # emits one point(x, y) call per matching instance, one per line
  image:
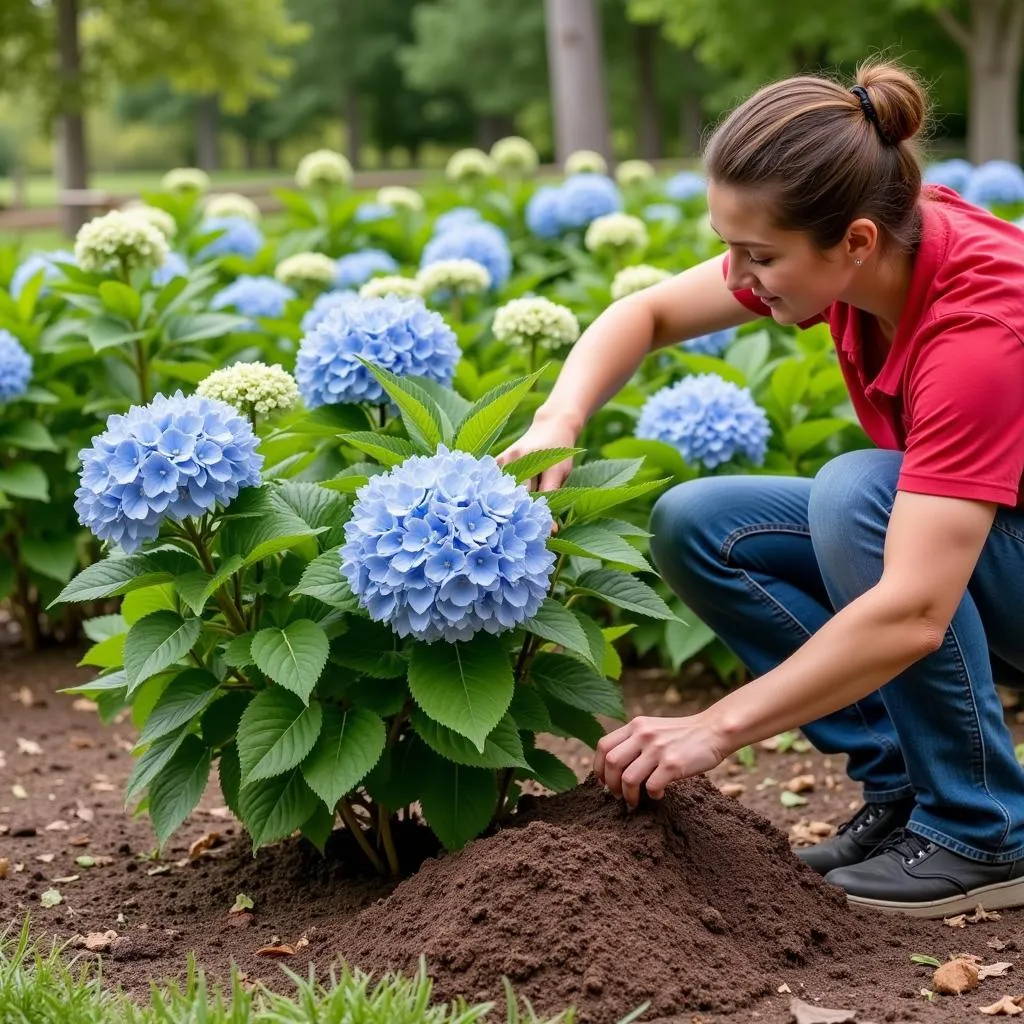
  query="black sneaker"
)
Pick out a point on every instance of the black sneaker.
point(857, 838)
point(911, 875)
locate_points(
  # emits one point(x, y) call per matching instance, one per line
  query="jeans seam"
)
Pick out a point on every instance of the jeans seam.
point(955, 846)
point(745, 531)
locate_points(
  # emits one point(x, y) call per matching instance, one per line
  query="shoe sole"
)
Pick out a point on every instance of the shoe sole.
point(1001, 896)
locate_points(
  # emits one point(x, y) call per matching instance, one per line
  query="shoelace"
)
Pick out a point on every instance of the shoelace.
point(909, 845)
point(864, 817)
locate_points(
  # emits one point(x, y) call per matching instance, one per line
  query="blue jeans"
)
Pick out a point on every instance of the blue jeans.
point(765, 561)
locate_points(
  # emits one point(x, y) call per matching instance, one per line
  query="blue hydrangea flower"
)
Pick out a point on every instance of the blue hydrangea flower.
point(44, 261)
point(446, 545)
point(458, 217)
point(15, 367)
point(252, 295)
point(357, 268)
point(239, 237)
point(323, 304)
point(174, 458)
point(172, 267)
point(685, 185)
point(662, 212)
point(995, 183)
point(953, 174)
point(398, 334)
point(707, 419)
point(585, 197)
point(713, 344)
point(370, 213)
point(543, 212)
point(485, 243)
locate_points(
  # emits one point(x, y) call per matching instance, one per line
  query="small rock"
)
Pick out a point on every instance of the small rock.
point(23, 832)
point(99, 942)
point(956, 977)
point(732, 789)
point(800, 784)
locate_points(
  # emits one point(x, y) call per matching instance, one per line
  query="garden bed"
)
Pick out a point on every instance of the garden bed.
point(694, 904)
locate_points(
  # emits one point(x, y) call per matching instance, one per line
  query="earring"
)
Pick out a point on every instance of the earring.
point(857, 263)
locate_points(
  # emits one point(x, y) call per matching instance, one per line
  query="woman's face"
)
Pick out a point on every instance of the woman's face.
point(796, 279)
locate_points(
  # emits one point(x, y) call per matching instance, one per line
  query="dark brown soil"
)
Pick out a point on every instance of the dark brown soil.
point(694, 904)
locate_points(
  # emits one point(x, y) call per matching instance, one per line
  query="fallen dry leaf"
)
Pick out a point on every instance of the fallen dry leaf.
point(1008, 1006)
point(241, 904)
point(66, 878)
point(85, 813)
point(808, 1013)
point(24, 696)
point(5, 867)
point(46, 858)
point(993, 970)
point(996, 944)
point(160, 869)
point(956, 977)
point(202, 844)
point(29, 747)
point(959, 921)
point(732, 789)
point(981, 914)
point(102, 787)
point(79, 841)
point(783, 988)
point(83, 704)
point(800, 784)
point(302, 942)
point(284, 949)
point(58, 826)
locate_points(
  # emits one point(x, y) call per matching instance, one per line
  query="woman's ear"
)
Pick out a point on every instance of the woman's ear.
point(861, 239)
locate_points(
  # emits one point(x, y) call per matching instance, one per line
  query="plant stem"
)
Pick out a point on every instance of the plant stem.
point(349, 818)
point(506, 784)
point(384, 828)
point(231, 612)
point(383, 411)
point(142, 370)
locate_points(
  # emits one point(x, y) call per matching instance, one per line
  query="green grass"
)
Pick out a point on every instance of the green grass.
point(41, 987)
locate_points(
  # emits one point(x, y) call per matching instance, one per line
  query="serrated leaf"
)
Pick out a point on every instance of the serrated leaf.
point(317, 828)
point(29, 435)
point(114, 576)
point(24, 480)
point(322, 579)
point(657, 455)
point(458, 802)
point(107, 653)
point(120, 299)
point(238, 652)
point(556, 623)
point(184, 699)
point(196, 588)
point(107, 331)
point(533, 464)
point(229, 775)
point(573, 723)
point(529, 709)
point(152, 762)
point(374, 650)
point(274, 808)
point(503, 747)
point(421, 415)
point(157, 642)
point(488, 416)
point(624, 591)
point(550, 771)
point(804, 436)
point(592, 501)
point(176, 790)
point(571, 682)
point(592, 540)
point(685, 639)
point(293, 657)
point(604, 473)
point(350, 744)
point(219, 722)
point(388, 451)
point(275, 733)
point(464, 686)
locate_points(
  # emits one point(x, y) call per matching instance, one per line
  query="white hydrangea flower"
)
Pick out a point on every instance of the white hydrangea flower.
point(585, 161)
point(323, 168)
point(231, 204)
point(633, 172)
point(535, 321)
point(160, 219)
point(185, 179)
point(306, 268)
point(636, 279)
point(465, 277)
point(391, 284)
point(618, 231)
point(252, 387)
point(119, 239)
point(398, 197)
point(515, 155)
point(469, 165)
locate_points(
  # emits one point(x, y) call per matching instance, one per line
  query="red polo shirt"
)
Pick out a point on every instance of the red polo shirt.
point(950, 392)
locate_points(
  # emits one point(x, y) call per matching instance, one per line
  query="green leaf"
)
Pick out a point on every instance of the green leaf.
point(55, 558)
point(275, 733)
point(592, 540)
point(186, 696)
point(803, 437)
point(925, 961)
point(749, 354)
point(156, 642)
point(529, 709)
point(623, 591)
point(573, 723)
point(238, 651)
point(322, 579)
point(458, 802)
point(294, 656)
point(657, 455)
point(571, 682)
point(317, 828)
point(196, 588)
point(108, 653)
point(790, 381)
point(604, 473)
point(229, 774)
point(465, 686)
point(114, 576)
point(697, 362)
point(191, 371)
point(274, 808)
point(556, 623)
point(152, 762)
point(106, 332)
point(592, 501)
point(374, 650)
point(789, 799)
point(27, 434)
point(384, 697)
point(314, 504)
point(503, 747)
point(121, 299)
point(550, 771)
point(350, 744)
point(146, 600)
point(452, 404)
point(174, 793)
point(685, 639)
point(421, 415)
point(388, 451)
point(488, 416)
point(24, 480)
point(533, 464)
point(203, 326)
point(219, 721)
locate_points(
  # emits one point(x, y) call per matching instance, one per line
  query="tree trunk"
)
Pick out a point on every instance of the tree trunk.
point(648, 113)
point(71, 155)
point(207, 129)
point(690, 124)
point(993, 46)
point(353, 124)
point(252, 157)
point(576, 64)
point(491, 127)
point(274, 154)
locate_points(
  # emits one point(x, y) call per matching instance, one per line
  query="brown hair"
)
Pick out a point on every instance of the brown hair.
point(810, 143)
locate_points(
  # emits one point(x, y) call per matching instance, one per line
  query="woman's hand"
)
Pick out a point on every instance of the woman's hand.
point(545, 432)
point(657, 751)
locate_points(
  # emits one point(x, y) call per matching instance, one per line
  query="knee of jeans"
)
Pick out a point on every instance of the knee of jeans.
point(851, 492)
point(681, 527)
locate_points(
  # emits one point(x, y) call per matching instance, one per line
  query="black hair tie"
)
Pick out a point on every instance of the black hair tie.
point(869, 111)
